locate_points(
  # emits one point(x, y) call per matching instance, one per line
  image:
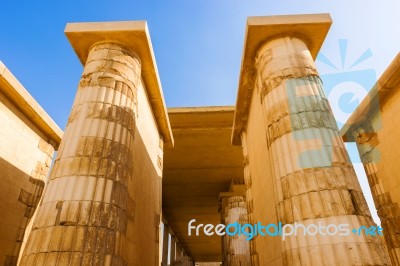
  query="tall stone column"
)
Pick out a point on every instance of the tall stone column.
point(249, 199)
point(314, 179)
point(236, 249)
point(87, 214)
point(84, 214)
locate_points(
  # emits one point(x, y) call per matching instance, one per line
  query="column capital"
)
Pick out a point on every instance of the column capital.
point(132, 35)
point(311, 29)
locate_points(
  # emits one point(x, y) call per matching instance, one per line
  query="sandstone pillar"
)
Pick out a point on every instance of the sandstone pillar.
point(164, 261)
point(387, 209)
point(249, 198)
point(172, 253)
point(179, 251)
point(236, 249)
point(181, 257)
point(184, 261)
point(87, 216)
point(306, 150)
point(313, 181)
point(372, 126)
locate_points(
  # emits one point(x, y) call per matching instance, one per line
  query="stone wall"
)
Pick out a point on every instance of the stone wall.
point(25, 158)
point(259, 181)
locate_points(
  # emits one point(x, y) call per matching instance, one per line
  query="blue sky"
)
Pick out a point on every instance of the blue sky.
point(197, 43)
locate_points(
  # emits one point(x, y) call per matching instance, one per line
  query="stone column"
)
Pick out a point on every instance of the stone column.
point(164, 261)
point(83, 217)
point(179, 251)
point(388, 209)
point(313, 178)
point(172, 253)
point(184, 261)
point(236, 248)
point(249, 198)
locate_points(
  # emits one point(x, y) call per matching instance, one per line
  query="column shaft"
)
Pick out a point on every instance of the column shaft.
point(249, 198)
point(83, 217)
point(313, 177)
point(388, 209)
point(236, 248)
point(165, 245)
point(172, 251)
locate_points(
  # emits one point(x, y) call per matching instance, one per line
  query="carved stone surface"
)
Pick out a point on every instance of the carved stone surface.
point(314, 181)
point(26, 151)
point(236, 249)
point(84, 214)
point(374, 157)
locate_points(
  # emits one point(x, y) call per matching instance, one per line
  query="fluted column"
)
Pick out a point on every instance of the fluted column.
point(313, 177)
point(388, 210)
point(83, 217)
point(249, 198)
point(236, 248)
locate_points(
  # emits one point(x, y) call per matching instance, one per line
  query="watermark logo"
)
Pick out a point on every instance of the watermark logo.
point(346, 87)
point(341, 91)
point(249, 231)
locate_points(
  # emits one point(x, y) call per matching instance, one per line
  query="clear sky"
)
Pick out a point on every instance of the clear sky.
point(197, 43)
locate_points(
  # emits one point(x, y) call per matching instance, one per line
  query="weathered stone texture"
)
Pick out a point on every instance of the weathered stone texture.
point(260, 195)
point(184, 261)
point(236, 249)
point(89, 212)
point(25, 158)
point(379, 151)
point(313, 180)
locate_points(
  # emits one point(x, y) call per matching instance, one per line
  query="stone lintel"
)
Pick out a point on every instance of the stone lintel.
point(369, 106)
point(240, 188)
point(232, 194)
point(201, 118)
point(133, 35)
point(312, 29)
point(25, 103)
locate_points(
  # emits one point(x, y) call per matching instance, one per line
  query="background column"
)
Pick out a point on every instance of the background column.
point(388, 209)
point(172, 250)
point(236, 249)
point(165, 245)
